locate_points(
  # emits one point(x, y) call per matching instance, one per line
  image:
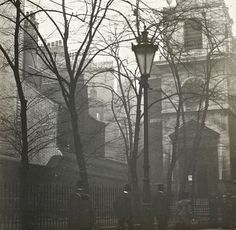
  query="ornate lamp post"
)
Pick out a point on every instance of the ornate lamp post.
point(145, 51)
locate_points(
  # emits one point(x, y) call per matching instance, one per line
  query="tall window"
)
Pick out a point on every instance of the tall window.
point(192, 34)
point(193, 92)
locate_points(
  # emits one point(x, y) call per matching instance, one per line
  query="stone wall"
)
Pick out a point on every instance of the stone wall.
point(8, 93)
point(42, 126)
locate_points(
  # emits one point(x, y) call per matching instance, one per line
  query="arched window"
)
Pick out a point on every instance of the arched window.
point(193, 92)
point(192, 34)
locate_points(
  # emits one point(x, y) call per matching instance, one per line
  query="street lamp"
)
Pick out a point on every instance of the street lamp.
point(144, 52)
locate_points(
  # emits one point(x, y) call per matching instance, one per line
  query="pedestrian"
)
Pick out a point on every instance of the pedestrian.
point(159, 207)
point(184, 213)
point(233, 211)
point(80, 211)
point(123, 208)
point(226, 210)
point(213, 211)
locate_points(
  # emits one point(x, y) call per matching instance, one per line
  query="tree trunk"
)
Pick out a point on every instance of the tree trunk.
point(169, 189)
point(136, 196)
point(185, 172)
point(24, 213)
point(78, 146)
point(133, 161)
point(24, 167)
point(14, 63)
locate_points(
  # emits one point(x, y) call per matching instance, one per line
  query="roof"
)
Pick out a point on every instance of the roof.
point(191, 127)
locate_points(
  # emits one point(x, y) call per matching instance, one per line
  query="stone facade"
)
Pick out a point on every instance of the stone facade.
point(194, 71)
point(8, 93)
point(42, 123)
point(102, 90)
point(91, 130)
point(49, 137)
point(60, 158)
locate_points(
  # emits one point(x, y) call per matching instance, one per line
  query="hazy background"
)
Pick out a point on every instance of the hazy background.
point(232, 10)
point(230, 3)
point(52, 35)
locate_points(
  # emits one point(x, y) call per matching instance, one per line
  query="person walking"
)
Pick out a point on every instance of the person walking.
point(80, 211)
point(184, 213)
point(123, 208)
point(159, 207)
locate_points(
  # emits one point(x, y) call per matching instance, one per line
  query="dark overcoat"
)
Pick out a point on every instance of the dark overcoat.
point(123, 206)
point(159, 205)
point(80, 212)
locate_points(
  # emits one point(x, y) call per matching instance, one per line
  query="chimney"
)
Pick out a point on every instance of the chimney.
point(30, 35)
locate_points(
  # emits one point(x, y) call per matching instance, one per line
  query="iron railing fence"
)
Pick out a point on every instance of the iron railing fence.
point(47, 206)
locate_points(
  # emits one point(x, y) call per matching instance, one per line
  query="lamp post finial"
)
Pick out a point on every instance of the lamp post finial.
point(145, 35)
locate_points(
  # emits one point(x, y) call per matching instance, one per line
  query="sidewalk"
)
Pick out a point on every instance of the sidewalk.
point(137, 227)
point(216, 229)
point(220, 228)
point(115, 227)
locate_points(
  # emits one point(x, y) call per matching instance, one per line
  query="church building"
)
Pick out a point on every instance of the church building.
point(194, 125)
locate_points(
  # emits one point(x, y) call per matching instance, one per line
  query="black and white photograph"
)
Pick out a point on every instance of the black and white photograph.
point(117, 114)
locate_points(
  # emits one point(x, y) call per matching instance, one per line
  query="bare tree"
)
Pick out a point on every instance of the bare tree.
point(207, 89)
point(12, 56)
point(42, 119)
point(70, 71)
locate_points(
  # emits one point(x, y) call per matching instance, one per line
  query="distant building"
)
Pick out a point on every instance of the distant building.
point(8, 93)
point(50, 134)
point(215, 161)
point(91, 126)
point(102, 90)
point(91, 130)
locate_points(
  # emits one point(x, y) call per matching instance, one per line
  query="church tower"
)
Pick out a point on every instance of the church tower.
point(195, 74)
